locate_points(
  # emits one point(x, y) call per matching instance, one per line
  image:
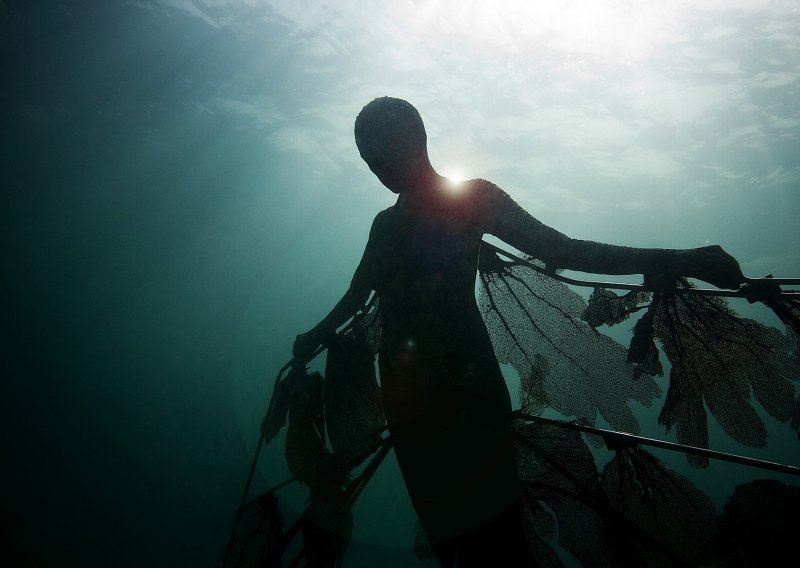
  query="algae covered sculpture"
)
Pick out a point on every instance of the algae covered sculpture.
point(635, 511)
point(481, 478)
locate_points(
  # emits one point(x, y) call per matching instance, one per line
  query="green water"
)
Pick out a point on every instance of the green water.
point(181, 195)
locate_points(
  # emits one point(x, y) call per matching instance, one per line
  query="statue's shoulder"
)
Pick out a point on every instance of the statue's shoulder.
point(481, 189)
point(480, 184)
point(385, 215)
point(384, 219)
point(483, 194)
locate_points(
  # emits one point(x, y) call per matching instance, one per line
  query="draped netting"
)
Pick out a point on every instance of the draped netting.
point(719, 361)
point(633, 511)
point(636, 512)
point(334, 428)
point(563, 363)
point(352, 398)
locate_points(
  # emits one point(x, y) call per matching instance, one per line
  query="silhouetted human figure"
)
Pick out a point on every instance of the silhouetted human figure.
point(446, 402)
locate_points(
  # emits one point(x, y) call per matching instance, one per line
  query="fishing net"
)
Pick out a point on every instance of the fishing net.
point(563, 485)
point(663, 504)
point(719, 361)
point(334, 425)
point(352, 399)
point(563, 363)
point(257, 534)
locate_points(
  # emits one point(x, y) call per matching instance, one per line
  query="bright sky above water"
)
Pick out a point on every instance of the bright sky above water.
point(669, 123)
point(585, 111)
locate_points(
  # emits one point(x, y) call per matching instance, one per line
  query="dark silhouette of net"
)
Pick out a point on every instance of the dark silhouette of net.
point(664, 504)
point(719, 361)
point(759, 525)
point(637, 511)
point(353, 407)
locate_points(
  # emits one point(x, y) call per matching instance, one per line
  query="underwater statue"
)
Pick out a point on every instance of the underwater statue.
point(492, 486)
point(446, 403)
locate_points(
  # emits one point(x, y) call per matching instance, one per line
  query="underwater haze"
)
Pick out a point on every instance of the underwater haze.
point(182, 195)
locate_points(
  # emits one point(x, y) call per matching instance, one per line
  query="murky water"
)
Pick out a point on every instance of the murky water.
point(182, 195)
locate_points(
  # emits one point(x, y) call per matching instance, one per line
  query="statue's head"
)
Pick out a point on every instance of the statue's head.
point(391, 139)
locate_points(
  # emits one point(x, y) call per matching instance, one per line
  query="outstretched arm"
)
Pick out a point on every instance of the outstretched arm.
point(356, 296)
point(511, 223)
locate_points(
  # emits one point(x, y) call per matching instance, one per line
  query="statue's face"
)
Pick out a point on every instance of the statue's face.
point(391, 139)
point(397, 162)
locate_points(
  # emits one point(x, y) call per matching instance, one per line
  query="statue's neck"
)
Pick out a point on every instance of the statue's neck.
point(421, 192)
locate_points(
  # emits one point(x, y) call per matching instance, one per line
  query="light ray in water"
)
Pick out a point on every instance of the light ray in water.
point(618, 30)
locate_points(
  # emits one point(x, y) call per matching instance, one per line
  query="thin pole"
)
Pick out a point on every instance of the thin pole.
point(632, 439)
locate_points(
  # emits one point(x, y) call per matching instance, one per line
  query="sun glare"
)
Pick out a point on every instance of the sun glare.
point(618, 30)
point(455, 181)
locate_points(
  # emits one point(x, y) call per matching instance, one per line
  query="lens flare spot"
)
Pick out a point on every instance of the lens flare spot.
point(454, 182)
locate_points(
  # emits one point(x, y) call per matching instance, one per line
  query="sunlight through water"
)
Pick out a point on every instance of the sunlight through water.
point(619, 30)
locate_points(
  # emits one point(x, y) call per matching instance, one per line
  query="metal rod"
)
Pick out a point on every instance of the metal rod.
point(634, 439)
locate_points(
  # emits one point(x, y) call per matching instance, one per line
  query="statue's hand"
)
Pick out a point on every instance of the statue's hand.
point(307, 343)
point(761, 290)
point(713, 265)
point(304, 346)
point(710, 264)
